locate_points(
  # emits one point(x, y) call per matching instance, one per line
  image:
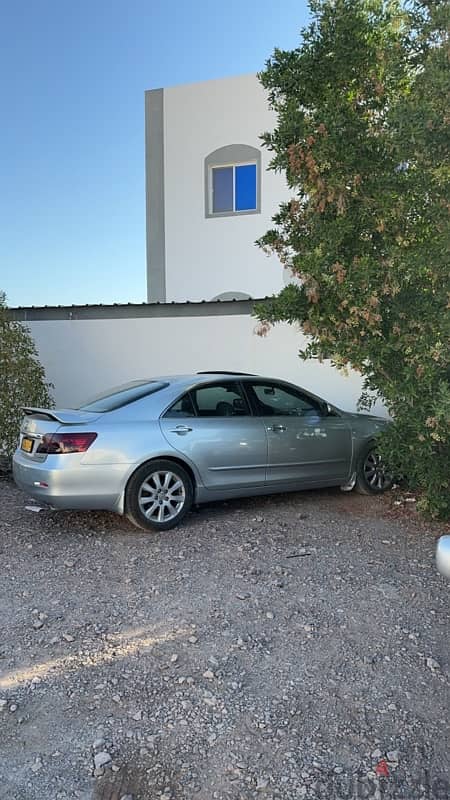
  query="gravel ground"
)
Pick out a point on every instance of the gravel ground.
point(292, 646)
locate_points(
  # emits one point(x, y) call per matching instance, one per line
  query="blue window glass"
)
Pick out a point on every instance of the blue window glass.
point(222, 189)
point(245, 189)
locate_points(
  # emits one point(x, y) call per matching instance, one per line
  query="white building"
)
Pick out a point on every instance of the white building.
point(209, 197)
point(209, 194)
point(86, 349)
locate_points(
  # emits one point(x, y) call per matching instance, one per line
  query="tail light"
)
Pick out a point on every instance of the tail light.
point(58, 443)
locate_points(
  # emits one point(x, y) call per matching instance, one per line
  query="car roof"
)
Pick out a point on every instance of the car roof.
point(169, 384)
point(196, 378)
point(171, 387)
point(179, 383)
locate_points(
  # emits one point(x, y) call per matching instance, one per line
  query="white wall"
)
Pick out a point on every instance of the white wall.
point(205, 257)
point(83, 357)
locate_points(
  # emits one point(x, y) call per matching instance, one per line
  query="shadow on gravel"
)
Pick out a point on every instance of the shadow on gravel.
point(115, 787)
point(95, 522)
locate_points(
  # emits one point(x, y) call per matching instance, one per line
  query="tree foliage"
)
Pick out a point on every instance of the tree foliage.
point(22, 378)
point(362, 137)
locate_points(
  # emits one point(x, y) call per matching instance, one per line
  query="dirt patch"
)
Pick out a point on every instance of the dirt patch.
point(292, 646)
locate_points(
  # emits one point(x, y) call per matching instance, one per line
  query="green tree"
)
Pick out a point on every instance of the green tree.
point(362, 137)
point(22, 378)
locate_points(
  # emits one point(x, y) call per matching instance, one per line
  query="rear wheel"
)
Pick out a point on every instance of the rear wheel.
point(372, 477)
point(159, 495)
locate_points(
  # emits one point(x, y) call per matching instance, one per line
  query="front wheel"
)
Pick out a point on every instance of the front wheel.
point(159, 495)
point(371, 476)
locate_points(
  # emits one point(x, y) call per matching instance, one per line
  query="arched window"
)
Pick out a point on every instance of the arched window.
point(232, 296)
point(233, 181)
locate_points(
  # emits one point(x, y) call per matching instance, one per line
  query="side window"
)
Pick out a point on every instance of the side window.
point(220, 400)
point(273, 399)
point(182, 408)
point(233, 188)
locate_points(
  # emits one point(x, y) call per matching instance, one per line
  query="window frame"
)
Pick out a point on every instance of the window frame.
point(232, 155)
point(218, 384)
point(256, 406)
point(234, 211)
point(189, 392)
point(166, 413)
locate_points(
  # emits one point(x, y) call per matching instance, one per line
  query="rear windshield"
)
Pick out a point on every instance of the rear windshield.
point(122, 396)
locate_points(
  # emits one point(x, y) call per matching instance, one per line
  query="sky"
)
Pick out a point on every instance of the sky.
point(72, 80)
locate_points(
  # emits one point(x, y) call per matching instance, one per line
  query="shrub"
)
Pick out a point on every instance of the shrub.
point(361, 136)
point(22, 378)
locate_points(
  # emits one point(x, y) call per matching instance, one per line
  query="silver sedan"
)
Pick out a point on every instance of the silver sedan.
point(153, 448)
point(443, 555)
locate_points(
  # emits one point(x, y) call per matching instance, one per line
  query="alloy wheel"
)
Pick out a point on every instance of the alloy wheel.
point(161, 496)
point(374, 472)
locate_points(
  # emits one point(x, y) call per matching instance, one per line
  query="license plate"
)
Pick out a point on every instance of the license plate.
point(27, 444)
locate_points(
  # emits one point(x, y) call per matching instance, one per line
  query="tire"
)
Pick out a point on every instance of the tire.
point(371, 477)
point(159, 495)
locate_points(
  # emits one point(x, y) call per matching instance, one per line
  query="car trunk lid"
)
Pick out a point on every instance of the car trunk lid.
point(39, 422)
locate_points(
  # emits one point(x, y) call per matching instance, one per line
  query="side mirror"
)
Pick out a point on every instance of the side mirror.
point(443, 556)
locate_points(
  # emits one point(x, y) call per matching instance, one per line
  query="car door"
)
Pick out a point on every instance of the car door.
point(213, 426)
point(306, 445)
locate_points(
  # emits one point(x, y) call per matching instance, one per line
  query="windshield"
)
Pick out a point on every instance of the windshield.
point(122, 395)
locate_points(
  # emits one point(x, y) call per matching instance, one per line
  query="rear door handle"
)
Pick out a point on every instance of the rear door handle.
point(277, 428)
point(181, 430)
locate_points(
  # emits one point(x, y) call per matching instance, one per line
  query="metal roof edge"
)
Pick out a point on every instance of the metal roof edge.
point(131, 310)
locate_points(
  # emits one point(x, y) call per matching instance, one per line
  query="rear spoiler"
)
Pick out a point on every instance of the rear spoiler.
point(44, 413)
point(68, 416)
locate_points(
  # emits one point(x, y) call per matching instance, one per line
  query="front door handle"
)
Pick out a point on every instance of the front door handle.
point(181, 430)
point(277, 428)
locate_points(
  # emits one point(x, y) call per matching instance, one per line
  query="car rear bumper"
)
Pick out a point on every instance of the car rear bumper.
point(71, 485)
